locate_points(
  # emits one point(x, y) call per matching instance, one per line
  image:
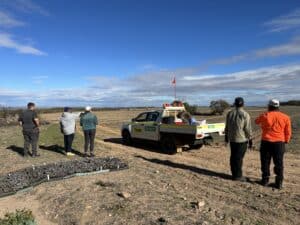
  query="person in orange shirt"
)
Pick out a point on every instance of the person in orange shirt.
point(276, 132)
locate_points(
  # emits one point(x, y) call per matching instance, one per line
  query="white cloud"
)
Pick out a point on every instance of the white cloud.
point(7, 20)
point(25, 6)
point(284, 22)
point(6, 41)
point(154, 88)
point(289, 48)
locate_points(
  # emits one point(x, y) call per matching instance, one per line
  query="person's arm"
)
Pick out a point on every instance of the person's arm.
point(21, 119)
point(37, 122)
point(36, 119)
point(61, 126)
point(96, 120)
point(258, 120)
point(81, 121)
point(288, 131)
point(248, 127)
point(248, 131)
point(77, 115)
point(226, 128)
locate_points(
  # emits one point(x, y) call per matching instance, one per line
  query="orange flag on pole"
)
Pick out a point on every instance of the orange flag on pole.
point(174, 81)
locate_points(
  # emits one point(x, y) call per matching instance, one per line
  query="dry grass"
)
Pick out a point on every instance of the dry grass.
point(160, 185)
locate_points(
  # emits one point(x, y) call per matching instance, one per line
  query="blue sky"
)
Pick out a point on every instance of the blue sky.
point(125, 53)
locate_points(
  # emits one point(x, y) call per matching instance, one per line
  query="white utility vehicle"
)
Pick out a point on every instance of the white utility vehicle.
point(164, 126)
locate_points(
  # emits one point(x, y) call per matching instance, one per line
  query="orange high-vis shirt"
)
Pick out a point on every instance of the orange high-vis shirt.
point(275, 125)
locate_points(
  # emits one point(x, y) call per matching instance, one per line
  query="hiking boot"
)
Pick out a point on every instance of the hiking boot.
point(264, 182)
point(278, 183)
point(92, 155)
point(70, 154)
point(278, 186)
point(35, 155)
point(85, 155)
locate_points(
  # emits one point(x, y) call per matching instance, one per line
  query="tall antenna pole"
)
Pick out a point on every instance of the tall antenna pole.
point(174, 83)
point(175, 90)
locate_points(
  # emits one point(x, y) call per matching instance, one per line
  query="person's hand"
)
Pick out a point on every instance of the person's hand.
point(250, 144)
point(226, 138)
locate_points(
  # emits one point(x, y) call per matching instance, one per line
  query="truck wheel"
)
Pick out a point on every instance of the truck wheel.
point(198, 146)
point(126, 137)
point(168, 145)
point(208, 140)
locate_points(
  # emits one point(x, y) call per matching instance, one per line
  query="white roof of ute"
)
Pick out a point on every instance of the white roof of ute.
point(175, 108)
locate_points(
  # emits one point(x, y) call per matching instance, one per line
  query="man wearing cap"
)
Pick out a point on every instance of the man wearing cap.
point(30, 122)
point(68, 126)
point(238, 132)
point(89, 121)
point(276, 131)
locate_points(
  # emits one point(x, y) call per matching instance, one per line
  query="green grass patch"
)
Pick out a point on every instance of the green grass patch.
point(19, 217)
point(51, 135)
point(259, 222)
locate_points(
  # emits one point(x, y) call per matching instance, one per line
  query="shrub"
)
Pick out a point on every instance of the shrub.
point(291, 102)
point(20, 217)
point(219, 106)
point(192, 109)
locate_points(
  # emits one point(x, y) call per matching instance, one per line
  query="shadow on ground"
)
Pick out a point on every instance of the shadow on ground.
point(142, 144)
point(194, 169)
point(17, 149)
point(60, 150)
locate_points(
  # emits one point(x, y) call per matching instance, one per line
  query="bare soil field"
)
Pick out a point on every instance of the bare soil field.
point(192, 187)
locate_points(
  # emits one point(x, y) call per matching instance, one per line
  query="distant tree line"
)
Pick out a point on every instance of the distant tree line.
point(216, 107)
point(6, 112)
point(291, 102)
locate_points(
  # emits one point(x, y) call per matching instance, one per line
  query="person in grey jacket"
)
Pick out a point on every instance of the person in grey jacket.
point(68, 126)
point(238, 132)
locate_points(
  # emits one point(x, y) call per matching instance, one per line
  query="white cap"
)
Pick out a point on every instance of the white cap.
point(88, 108)
point(274, 102)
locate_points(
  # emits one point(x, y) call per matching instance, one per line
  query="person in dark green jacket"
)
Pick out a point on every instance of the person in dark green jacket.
point(88, 122)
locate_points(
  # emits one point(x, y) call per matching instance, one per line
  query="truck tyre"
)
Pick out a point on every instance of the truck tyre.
point(168, 145)
point(208, 140)
point(126, 137)
point(198, 146)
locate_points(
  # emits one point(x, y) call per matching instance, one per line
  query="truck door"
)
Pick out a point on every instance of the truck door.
point(137, 128)
point(151, 131)
point(145, 126)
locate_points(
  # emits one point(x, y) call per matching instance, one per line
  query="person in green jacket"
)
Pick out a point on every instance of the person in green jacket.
point(88, 122)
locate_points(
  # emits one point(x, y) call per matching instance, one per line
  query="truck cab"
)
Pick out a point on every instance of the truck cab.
point(164, 126)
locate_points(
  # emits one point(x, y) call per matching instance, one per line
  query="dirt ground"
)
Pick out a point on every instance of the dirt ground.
point(192, 187)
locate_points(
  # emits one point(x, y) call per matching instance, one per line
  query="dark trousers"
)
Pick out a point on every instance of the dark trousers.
point(238, 151)
point(31, 137)
point(68, 139)
point(275, 151)
point(89, 139)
